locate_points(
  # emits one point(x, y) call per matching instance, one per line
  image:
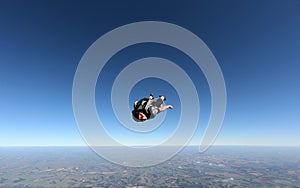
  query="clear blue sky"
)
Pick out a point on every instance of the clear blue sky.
point(257, 45)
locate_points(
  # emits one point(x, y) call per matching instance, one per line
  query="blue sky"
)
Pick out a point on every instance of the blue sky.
point(256, 43)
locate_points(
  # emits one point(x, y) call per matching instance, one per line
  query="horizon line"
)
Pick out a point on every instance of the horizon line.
point(246, 145)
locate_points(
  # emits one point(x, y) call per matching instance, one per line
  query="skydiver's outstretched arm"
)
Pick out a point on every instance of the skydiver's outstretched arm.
point(163, 108)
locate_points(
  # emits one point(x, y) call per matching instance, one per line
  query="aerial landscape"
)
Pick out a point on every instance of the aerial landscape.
point(220, 166)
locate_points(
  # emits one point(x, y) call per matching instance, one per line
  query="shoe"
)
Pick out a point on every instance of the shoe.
point(151, 95)
point(163, 96)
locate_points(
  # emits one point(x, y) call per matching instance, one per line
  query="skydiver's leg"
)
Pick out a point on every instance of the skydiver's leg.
point(149, 103)
point(157, 103)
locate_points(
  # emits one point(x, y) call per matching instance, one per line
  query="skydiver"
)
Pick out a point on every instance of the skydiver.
point(147, 108)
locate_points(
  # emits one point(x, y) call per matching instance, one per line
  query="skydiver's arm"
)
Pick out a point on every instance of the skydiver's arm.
point(163, 108)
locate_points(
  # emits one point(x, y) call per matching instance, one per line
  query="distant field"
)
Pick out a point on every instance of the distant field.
point(218, 167)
